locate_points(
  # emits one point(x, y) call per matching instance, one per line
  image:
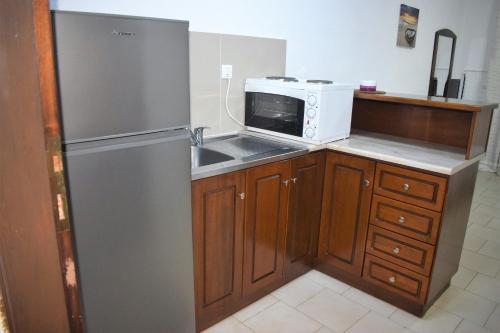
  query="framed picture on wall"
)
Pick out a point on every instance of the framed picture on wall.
point(408, 23)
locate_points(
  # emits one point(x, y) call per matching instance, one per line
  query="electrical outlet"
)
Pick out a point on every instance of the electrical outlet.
point(226, 72)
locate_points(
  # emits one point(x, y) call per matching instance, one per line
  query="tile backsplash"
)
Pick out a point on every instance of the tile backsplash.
point(249, 56)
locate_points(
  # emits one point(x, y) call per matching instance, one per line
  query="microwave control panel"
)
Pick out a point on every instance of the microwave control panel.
point(311, 115)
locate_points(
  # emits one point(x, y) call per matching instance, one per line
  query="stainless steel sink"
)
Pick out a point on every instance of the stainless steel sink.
point(247, 147)
point(236, 152)
point(203, 156)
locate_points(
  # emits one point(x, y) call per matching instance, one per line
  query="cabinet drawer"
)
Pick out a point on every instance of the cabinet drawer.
point(410, 186)
point(396, 279)
point(401, 250)
point(405, 219)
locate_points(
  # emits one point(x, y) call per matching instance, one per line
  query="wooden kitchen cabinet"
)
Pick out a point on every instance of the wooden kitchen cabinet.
point(346, 208)
point(253, 230)
point(304, 213)
point(218, 212)
point(394, 232)
point(266, 207)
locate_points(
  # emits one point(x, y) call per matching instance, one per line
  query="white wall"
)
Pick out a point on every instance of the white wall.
point(490, 161)
point(343, 40)
point(478, 33)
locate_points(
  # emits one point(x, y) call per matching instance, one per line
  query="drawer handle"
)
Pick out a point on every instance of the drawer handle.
point(406, 187)
point(294, 180)
point(396, 250)
point(366, 182)
point(286, 182)
point(392, 279)
point(402, 219)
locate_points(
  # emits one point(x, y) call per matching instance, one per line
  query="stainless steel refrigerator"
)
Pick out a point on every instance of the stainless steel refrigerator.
point(124, 99)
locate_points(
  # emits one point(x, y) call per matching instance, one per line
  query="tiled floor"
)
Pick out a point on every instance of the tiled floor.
point(317, 303)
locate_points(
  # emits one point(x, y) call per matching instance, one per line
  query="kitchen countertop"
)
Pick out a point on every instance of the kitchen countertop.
point(406, 152)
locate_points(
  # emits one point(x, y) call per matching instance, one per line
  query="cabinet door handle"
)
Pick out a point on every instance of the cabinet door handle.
point(392, 279)
point(294, 180)
point(242, 196)
point(286, 181)
point(406, 187)
point(402, 219)
point(396, 250)
point(366, 182)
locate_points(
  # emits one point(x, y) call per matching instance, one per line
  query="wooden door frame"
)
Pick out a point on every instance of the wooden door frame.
point(37, 268)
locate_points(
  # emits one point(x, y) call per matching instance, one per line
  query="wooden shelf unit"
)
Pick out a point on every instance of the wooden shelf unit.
point(452, 122)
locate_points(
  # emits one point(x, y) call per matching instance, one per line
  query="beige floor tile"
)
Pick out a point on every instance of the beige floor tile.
point(281, 318)
point(473, 242)
point(468, 327)
point(373, 322)
point(229, 325)
point(474, 205)
point(436, 320)
point(476, 217)
point(463, 277)
point(324, 330)
point(485, 286)
point(486, 198)
point(297, 291)
point(493, 322)
point(485, 232)
point(480, 263)
point(488, 210)
point(383, 308)
point(491, 191)
point(494, 224)
point(474, 308)
point(491, 249)
point(327, 281)
point(333, 310)
point(255, 308)
point(403, 318)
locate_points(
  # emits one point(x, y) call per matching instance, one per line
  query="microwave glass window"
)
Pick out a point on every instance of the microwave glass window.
point(275, 113)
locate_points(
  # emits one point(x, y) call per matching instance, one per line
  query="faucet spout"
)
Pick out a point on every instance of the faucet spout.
point(197, 136)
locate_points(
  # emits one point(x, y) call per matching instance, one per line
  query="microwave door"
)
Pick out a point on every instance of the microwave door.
point(277, 113)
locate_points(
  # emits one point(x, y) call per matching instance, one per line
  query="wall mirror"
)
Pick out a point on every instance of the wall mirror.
point(440, 83)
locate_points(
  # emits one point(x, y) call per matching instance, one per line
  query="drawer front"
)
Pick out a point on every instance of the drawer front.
point(409, 253)
point(405, 219)
point(410, 186)
point(396, 279)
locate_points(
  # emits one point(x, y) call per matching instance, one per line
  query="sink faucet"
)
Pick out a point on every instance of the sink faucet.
point(197, 136)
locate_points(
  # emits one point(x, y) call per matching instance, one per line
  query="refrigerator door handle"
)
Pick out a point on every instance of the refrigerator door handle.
point(83, 148)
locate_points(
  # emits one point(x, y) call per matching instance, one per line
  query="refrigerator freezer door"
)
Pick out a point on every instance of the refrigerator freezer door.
point(120, 75)
point(131, 213)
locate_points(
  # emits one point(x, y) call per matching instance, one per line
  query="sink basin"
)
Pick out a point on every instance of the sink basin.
point(203, 156)
point(246, 148)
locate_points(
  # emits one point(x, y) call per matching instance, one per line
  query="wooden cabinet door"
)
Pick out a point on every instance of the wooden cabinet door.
point(346, 207)
point(218, 212)
point(304, 213)
point(265, 226)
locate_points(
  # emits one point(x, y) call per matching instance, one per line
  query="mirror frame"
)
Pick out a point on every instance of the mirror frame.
point(445, 33)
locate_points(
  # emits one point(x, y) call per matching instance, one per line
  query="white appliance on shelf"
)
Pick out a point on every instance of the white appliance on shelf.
point(313, 111)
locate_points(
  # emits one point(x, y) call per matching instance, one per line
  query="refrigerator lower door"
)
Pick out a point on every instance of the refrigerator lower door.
point(131, 213)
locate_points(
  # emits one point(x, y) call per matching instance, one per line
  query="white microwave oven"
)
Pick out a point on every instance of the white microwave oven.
point(313, 111)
